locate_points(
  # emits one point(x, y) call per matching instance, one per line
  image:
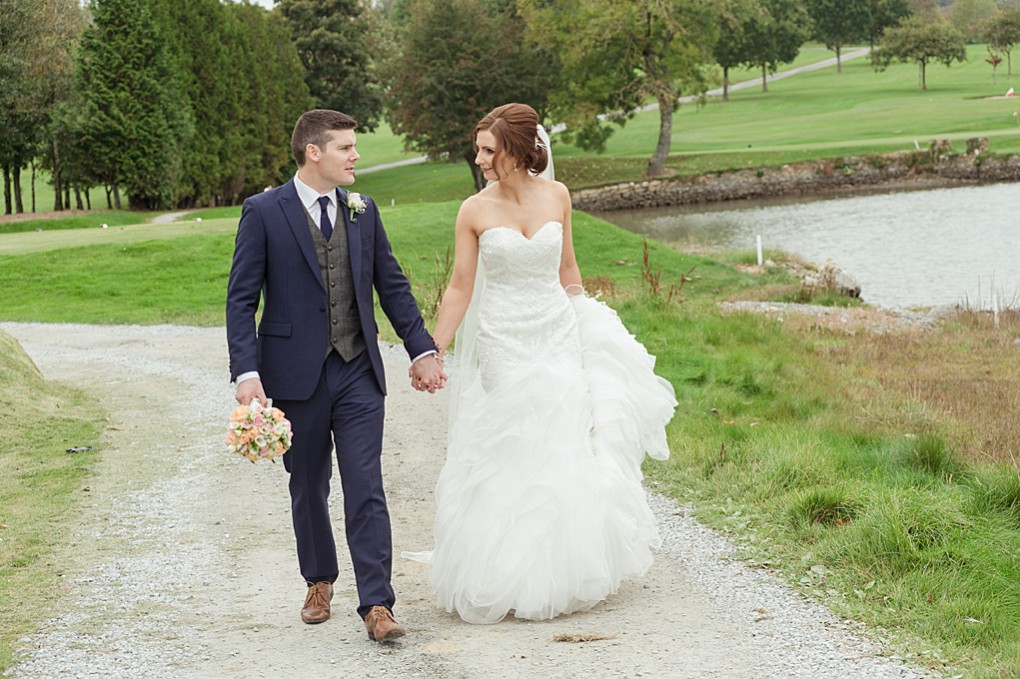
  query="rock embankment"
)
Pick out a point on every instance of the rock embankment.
point(924, 169)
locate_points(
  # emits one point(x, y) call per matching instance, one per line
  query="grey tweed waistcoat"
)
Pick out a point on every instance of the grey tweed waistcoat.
point(345, 336)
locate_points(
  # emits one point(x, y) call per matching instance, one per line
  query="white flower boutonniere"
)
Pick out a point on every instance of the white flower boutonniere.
point(356, 204)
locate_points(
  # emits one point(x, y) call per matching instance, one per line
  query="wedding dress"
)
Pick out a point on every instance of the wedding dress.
point(540, 507)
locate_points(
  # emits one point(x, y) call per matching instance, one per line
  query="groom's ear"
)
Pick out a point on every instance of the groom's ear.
point(312, 152)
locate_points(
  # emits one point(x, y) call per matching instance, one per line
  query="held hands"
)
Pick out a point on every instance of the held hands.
point(427, 374)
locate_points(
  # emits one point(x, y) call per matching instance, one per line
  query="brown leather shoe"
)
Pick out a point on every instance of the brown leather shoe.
point(316, 608)
point(381, 626)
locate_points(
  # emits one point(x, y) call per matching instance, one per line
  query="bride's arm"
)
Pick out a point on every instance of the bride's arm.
point(570, 274)
point(462, 281)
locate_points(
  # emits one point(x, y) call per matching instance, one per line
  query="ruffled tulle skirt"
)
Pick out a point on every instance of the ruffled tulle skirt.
point(540, 507)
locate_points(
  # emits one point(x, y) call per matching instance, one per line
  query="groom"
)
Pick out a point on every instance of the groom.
point(312, 252)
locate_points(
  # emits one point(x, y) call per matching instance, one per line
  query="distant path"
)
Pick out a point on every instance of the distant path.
point(168, 217)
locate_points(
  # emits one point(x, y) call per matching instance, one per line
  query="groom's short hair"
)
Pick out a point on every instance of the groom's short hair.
point(313, 127)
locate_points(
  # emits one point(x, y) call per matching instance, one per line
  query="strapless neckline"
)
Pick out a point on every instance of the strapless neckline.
point(520, 233)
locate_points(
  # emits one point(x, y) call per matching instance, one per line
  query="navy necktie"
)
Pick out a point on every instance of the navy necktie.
point(324, 224)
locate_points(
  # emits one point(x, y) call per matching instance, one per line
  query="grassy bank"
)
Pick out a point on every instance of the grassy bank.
point(857, 466)
point(40, 486)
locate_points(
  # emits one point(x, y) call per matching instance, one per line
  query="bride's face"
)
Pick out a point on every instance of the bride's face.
point(493, 163)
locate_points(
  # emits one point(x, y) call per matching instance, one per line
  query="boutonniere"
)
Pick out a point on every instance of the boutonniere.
point(356, 204)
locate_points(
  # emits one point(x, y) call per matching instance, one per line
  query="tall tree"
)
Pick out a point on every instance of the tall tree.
point(969, 16)
point(17, 130)
point(885, 13)
point(730, 49)
point(616, 55)
point(52, 54)
point(135, 121)
point(776, 36)
point(918, 41)
point(839, 23)
point(458, 60)
point(334, 41)
point(1002, 32)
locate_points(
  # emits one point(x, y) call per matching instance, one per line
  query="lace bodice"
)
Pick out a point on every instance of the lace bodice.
point(525, 315)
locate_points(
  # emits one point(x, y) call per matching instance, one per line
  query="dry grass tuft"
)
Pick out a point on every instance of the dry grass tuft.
point(582, 637)
point(966, 373)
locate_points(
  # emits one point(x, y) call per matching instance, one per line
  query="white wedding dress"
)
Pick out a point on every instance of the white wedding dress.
point(540, 507)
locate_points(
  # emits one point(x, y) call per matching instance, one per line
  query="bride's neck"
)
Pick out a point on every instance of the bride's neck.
point(516, 187)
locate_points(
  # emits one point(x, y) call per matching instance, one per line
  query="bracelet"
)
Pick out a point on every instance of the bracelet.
point(580, 289)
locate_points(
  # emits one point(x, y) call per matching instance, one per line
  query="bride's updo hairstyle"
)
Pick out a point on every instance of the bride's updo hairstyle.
point(515, 127)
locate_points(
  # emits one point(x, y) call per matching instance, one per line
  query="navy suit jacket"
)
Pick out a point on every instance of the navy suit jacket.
point(274, 260)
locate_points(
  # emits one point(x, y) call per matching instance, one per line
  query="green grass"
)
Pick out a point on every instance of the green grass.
point(39, 488)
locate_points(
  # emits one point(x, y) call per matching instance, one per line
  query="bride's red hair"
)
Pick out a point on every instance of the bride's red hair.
point(515, 127)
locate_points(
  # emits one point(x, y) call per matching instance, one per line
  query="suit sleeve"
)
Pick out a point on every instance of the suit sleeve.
point(244, 290)
point(395, 296)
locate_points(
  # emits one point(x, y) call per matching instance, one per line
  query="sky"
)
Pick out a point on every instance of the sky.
point(268, 4)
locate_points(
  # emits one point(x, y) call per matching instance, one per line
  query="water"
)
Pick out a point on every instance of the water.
point(913, 249)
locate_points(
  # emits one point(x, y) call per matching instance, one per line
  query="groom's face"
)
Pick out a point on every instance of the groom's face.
point(336, 160)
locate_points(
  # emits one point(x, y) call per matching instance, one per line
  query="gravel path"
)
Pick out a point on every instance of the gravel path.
point(181, 562)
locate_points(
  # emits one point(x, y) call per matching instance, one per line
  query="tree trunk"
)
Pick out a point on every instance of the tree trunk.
point(924, 84)
point(657, 165)
point(839, 61)
point(116, 196)
point(109, 201)
point(1009, 63)
point(726, 83)
point(33, 185)
point(19, 205)
point(7, 190)
point(77, 197)
point(88, 200)
point(476, 172)
point(67, 195)
point(58, 192)
point(764, 78)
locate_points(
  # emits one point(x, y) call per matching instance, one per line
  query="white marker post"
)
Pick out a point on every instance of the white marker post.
point(760, 260)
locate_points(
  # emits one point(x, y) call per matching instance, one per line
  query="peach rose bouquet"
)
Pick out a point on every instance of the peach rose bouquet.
point(258, 432)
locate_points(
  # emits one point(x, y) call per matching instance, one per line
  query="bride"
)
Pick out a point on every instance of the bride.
point(540, 507)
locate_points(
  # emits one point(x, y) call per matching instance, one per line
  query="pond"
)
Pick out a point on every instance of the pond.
point(907, 249)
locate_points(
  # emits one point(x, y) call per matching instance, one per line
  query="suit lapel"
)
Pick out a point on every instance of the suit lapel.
point(353, 235)
point(297, 219)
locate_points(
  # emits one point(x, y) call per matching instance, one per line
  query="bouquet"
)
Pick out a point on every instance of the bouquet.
point(258, 432)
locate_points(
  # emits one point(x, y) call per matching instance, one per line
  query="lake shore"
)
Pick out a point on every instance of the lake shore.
point(902, 171)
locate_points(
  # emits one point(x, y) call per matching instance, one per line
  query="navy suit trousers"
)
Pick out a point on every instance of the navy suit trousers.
point(346, 410)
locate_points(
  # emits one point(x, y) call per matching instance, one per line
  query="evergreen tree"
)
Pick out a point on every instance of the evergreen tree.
point(334, 39)
point(135, 120)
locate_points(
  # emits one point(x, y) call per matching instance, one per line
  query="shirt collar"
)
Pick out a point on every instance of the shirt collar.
point(309, 196)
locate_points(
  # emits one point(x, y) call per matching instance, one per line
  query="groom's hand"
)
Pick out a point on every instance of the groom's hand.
point(427, 374)
point(249, 389)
